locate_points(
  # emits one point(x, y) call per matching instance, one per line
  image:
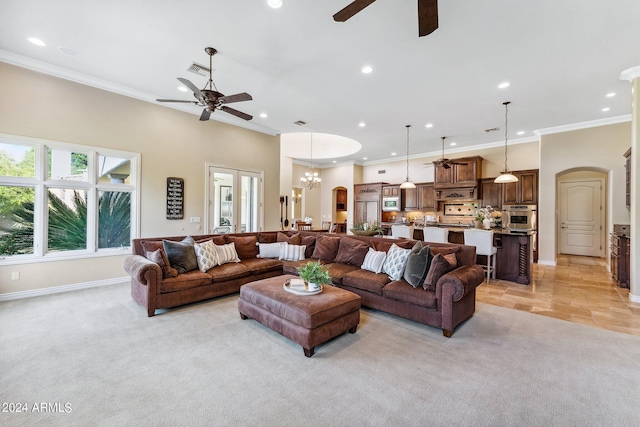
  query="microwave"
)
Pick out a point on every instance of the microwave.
point(391, 204)
point(519, 217)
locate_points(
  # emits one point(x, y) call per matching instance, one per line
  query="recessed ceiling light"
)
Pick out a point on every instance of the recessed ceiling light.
point(362, 124)
point(67, 51)
point(429, 125)
point(606, 109)
point(393, 154)
point(182, 89)
point(263, 115)
point(335, 161)
point(611, 94)
point(36, 41)
point(276, 4)
point(364, 158)
point(521, 132)
point(504, 85)
point(367, 69)
point(453, 144)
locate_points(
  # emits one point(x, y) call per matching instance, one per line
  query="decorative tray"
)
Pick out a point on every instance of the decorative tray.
point(300, 289)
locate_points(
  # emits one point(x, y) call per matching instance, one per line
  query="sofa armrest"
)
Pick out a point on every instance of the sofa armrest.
point(138, 266)
point(463, 279)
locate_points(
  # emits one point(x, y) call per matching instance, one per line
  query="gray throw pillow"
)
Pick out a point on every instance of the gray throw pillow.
point(182, 255)
point(418, 265)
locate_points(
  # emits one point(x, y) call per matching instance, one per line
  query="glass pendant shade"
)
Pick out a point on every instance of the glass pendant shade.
point(505, 176)
point(407, 182)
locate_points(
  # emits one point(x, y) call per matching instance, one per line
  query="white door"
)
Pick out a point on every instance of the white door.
point(580, 230)
point(234, 200)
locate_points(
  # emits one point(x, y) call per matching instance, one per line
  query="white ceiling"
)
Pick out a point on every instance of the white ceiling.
point(561, 57)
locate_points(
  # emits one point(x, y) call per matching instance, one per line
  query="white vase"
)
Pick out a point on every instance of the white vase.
point(312, 286)
point(486, 224)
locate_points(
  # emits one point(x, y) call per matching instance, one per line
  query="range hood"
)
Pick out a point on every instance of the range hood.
point(458, 181)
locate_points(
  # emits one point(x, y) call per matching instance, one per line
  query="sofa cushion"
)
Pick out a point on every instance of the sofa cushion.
point(188, 280)
point(181, 254)
point(226, 253)
point(269, 250)
point(417, 265)
point(338, 271)
point(440, 265)
point(310, 242)
point(259, 266)
point(447, 251)
point(294, 239)
point(351, 251)
point(206, 255)
point(365, 280)
point(374, 260)
point(267, 237)
point(229, 271)
point(151, 247)
point(245, 245)
point(292, 252)
point(218, 240)
point(291, 267)
point(384, 244)
point(326, 247)
point(396, 261)
point(402, 291)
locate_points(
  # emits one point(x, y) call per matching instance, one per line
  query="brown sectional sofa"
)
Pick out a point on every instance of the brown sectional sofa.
point(445, 307)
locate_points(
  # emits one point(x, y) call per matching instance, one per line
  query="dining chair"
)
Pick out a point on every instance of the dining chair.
point(221, 230)
point(483, 241)
point(405, 231)
point(435, 234)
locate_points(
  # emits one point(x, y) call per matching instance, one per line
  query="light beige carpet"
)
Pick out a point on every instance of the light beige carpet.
point(201, 365)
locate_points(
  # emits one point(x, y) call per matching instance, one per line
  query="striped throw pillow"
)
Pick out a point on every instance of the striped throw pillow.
point(226, 253)
point(270, 250)
point(292, 252)
point(374, 260)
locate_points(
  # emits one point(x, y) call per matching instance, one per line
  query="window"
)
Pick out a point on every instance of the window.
point(65, 200)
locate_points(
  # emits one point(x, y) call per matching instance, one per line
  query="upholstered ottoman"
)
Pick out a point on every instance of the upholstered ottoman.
point(308, 320)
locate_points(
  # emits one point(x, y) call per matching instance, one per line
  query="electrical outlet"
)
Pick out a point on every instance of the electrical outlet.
point(194, 219)
point(15, 275)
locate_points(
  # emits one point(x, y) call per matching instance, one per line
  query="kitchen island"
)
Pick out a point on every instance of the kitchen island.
point(514, 260)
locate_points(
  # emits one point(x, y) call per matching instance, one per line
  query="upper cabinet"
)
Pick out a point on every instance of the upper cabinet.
point(426, 197)
point(627, 167)
point(409, 199)
point(463, 172)
point(525, 191)
point(490, 193)
point(341, 200)
point(391, 191)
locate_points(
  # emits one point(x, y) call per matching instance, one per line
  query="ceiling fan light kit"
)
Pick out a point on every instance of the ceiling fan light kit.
point(505, 176)
point(407, 182)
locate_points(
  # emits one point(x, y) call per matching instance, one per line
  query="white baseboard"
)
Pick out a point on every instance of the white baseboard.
point(63, 288)
point(634, 298)
point(543, 262)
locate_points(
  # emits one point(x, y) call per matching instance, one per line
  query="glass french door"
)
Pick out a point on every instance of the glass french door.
point(234, 200)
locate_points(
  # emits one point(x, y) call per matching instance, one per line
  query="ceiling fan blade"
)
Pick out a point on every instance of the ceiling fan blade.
point(236, 113)
point(351, 9)
point(191, 86)
point(206, 113)
point(235, 98)
point(176, 100)
point(427, 17)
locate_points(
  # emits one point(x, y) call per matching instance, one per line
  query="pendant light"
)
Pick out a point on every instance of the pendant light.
point(407, 182)
point(505, 176)
point(311, 179)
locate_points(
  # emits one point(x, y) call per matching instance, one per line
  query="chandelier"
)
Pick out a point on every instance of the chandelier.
point(311, 179)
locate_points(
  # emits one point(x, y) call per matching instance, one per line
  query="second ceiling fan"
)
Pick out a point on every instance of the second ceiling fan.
point(427, 14)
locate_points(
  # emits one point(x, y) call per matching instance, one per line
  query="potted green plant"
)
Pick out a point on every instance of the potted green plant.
point(479, 218)
point(366, 229)
point(315, 274)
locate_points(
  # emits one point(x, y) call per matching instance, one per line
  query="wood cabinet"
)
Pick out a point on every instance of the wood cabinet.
point(465, 172)
point(525, 191)
point(409, 199)
point(514, 257)
point(426, 195)
point(368, 202)
point(341, 200)
point(490, 194)
point(367, 211)
point(620, 259)
point(627, 167)
point(391, 191)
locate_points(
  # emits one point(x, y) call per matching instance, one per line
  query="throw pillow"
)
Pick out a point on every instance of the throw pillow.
point(158, 256)
point(151, 247)
point(384, 244)
point(226, 253)
point(291, 252)
point(181, 255)
point(245, 245)
point(374, 260)
point(292, 240)
point(440, 265)
point(395, 262)
point(352, 251)
point(206, 255)
point(310, 242)
point(270, 250)
point(326, 248)
point(418, 265)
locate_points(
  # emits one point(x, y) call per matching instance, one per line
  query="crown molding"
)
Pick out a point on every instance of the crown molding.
point(63, 73)
point(584, 125)
point(630, 74)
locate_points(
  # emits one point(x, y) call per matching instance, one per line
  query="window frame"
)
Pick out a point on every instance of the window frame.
point(42, 184)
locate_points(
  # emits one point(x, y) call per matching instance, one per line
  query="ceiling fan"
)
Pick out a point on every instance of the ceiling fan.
point(210, 98)
point(446, 163)
point(427, 14)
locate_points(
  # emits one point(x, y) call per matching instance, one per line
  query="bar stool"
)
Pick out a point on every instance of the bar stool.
point(435, 234)
point(402, 231)
point(483, 241)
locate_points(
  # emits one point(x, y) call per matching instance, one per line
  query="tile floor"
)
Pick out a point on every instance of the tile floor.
point(578, 289)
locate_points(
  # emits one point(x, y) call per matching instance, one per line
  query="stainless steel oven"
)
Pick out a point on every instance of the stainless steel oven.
point(391, 204)
point(519, 217)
